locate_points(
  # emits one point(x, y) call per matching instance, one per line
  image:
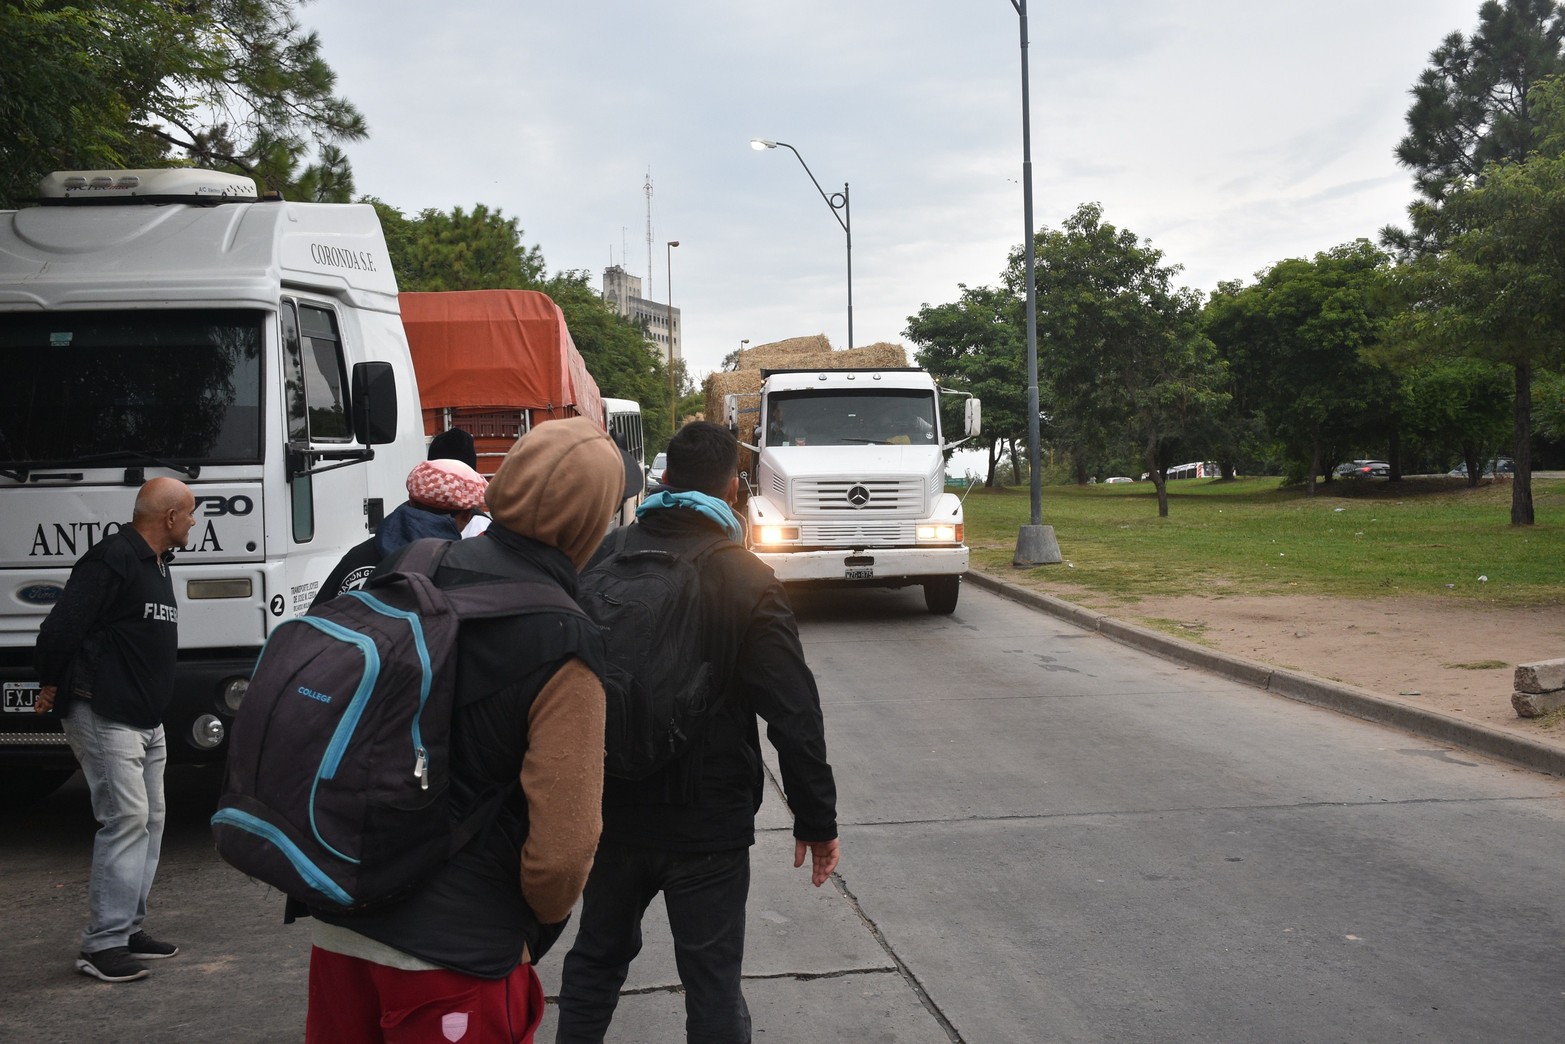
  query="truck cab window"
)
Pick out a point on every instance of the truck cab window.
point(325, 380)
point(111, 386)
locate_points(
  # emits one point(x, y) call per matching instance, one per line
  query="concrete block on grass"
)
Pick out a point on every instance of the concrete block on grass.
point(1537, 704)
point(1544, 676)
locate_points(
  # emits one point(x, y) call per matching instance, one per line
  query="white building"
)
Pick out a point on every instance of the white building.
point(622, 291)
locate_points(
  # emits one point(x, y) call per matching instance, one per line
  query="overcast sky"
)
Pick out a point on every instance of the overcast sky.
point(1230, 133)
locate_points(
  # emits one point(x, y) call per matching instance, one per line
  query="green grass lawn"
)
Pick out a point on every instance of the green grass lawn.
point(1360, 538)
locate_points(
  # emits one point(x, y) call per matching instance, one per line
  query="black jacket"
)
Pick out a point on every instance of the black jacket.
point(407, 523)
point(471, 916)
point(753, 645)
point(114, 633)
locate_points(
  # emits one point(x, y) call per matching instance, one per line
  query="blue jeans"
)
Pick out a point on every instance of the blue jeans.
point(704, 893)
point(123, 766)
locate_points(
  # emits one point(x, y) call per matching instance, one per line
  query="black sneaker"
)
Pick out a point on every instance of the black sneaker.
point(144, 947)
point(112, 965)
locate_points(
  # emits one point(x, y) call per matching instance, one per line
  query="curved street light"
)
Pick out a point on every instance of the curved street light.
point(836, 201)
point(1035, 543)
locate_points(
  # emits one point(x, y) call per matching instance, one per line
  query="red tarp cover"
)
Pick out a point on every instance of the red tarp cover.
point(497, 349)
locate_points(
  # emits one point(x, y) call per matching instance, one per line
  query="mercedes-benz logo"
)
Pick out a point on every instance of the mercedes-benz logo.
point(858, 496)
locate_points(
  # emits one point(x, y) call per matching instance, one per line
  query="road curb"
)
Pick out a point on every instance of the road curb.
point(1294, 685)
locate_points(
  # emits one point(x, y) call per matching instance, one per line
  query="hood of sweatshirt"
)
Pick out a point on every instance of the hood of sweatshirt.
point(560, 484)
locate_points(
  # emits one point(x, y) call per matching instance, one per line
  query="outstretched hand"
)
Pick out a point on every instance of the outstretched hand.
point(824, 856)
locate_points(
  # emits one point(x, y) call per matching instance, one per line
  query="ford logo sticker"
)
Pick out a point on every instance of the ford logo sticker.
point(40, 594)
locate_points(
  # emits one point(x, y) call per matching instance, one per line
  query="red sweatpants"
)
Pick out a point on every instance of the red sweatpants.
point(354, 1001)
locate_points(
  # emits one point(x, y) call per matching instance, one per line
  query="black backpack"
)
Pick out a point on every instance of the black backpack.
point(658, 685)
point(338, 779)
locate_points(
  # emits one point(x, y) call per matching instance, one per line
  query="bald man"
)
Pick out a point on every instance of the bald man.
point(105, 659)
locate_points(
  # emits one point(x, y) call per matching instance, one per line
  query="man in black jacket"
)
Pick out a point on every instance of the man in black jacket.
point(687, 831)
point(106, 656)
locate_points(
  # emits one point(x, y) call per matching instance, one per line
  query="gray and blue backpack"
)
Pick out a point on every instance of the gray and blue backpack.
point(338, 779)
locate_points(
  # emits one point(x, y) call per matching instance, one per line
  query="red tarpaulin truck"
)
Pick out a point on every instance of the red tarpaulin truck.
point(495, 363)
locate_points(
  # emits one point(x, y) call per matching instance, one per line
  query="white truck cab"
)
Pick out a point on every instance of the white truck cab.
point(850, 481)
point(170, 322)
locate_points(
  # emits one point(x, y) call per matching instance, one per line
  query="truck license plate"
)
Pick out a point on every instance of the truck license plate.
point(859, 573)
point(19, 697)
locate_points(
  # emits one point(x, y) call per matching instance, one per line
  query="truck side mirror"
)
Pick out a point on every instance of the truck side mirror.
point(731, 412)
point(973, 418)
point(375, 403)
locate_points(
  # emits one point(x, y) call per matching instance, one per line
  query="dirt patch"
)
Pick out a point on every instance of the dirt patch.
point(1458, 659)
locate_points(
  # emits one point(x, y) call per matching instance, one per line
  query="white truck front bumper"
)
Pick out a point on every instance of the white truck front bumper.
point(881, 563)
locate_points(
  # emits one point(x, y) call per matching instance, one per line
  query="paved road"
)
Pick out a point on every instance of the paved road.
point(1047, 837)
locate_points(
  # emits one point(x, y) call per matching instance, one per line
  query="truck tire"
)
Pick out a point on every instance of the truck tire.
point(940, 594)
point(23, 785)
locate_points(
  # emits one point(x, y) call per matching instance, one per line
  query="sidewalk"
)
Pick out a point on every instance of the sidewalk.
point(1538, 754)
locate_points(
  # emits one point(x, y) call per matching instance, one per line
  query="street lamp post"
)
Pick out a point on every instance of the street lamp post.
point(1035, 543)
point(836, 201)
point(673, 393)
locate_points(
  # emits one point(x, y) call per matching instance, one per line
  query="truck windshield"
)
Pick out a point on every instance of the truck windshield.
point(178, 385)
point(851, 418)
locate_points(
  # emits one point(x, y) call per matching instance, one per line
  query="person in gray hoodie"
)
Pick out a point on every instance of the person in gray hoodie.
point(453, 960)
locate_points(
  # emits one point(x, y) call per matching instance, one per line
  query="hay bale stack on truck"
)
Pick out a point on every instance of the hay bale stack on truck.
point(844, 478)
point(496, 363)
point(170, 323)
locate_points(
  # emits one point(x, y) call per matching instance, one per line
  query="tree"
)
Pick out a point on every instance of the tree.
point(233, 84)
point(1121, 345)
point(1495, 289)
point(1474, 104)
point(1458, 402)
point(1294, 341)
point(977, 343)
point(437, 250)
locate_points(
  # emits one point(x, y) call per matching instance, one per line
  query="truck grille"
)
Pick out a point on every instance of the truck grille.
point(832, 497)
point(834, 535)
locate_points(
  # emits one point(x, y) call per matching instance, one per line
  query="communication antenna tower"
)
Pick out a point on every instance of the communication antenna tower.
point(647, 188)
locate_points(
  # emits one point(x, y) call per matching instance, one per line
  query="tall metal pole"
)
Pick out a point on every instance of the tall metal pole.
point(673, 393)
point(1035, 544)
point(836, 201)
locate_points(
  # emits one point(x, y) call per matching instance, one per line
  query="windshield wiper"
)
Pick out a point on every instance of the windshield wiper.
point(138, 457)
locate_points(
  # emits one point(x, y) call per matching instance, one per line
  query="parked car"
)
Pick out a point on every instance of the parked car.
point(1364, 469)
point(655, 469)
point(1118, 478)
point(1497, 466)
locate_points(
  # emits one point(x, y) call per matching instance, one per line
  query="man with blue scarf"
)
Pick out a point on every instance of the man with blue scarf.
point(687, 831)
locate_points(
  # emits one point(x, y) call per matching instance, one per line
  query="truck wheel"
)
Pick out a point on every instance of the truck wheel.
point(940, 594)
point(21, 786)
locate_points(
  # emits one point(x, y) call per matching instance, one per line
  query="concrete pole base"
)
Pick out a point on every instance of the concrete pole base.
point(1035, 545)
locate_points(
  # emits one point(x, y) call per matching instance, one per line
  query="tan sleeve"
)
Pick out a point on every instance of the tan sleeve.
point(562, 777)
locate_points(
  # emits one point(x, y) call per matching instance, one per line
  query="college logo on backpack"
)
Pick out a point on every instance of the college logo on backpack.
point(658, 686)
point(338, 769)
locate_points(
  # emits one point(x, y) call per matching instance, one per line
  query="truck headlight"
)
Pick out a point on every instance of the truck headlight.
point(778, 534)
point(207, 732)
point(234, 693)
point(940, 533)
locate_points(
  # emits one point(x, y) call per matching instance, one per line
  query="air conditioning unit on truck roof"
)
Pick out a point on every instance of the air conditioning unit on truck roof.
point(848, 481)
point(170, 322)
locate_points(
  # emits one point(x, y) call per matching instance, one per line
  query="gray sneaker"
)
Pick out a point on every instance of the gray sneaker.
point(144, 947)
point(112, 965)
